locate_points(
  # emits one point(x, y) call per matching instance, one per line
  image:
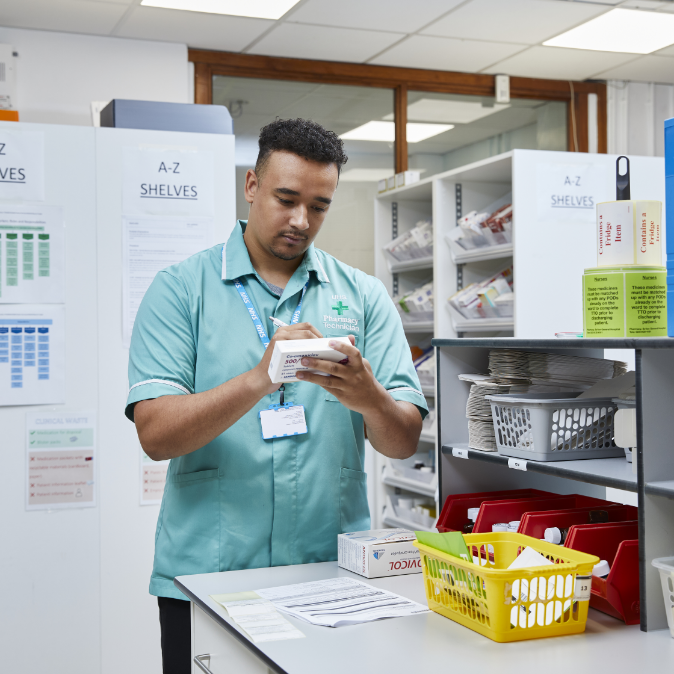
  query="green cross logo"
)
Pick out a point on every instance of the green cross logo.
point(340, 308)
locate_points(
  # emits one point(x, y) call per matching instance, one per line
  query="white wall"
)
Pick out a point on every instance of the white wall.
point(59, 74)
point(636, 115)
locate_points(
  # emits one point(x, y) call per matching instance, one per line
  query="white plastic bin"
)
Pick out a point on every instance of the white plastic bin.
point(665, 565)
point(534, 426)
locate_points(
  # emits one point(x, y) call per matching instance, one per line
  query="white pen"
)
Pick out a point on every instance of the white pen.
point(277, 323)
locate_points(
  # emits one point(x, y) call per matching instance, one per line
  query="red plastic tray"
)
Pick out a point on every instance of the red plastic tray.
point(617, 543)
point(535, 523)
point(455, 511)
point(493, 512)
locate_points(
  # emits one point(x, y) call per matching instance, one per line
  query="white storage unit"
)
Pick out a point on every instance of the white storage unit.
point(78, 578)
point(548, 256)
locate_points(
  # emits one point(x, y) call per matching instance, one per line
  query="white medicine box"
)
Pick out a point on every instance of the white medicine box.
point(379, 553)
point(286, 359)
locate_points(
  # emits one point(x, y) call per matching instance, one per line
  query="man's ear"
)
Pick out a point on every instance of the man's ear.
point(251, 187)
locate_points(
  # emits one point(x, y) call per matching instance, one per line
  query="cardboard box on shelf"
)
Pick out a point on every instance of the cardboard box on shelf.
point(379, 553)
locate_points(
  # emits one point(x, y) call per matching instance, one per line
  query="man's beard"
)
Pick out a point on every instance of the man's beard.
point(282, 255)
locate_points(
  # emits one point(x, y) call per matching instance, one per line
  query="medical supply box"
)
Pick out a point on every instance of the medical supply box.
point(287, 356)
point(379, 553)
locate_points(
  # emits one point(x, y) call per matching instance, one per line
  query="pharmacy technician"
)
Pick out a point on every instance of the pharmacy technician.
point(200, 352)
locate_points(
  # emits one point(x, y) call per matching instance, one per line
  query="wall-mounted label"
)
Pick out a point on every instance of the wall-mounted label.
point(163, 181)
point(60, 450)
point(603, 305)
point(152, 479)
point(22, 165)
point(569, 192)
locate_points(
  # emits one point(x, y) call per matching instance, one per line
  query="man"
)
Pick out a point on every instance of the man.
point(198, 376)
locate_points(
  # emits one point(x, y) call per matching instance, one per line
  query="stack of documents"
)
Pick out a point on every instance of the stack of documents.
point(339, 601)
point(546, 372)
point(478, 410)
point(257, 617)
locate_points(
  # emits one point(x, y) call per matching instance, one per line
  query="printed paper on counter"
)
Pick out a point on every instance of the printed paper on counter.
point(152, 479)
point(21, 165)
point(32, 254)
point(60, 451)
point(32, 354)
point(150, 245)
point(168, 181)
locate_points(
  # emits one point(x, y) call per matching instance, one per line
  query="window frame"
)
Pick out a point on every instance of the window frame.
point(208, 63)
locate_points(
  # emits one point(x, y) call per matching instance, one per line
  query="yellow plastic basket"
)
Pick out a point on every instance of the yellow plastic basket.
point(542, 601)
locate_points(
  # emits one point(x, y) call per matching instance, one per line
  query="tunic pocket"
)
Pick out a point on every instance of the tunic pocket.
point(354, 511)
point(188, 540)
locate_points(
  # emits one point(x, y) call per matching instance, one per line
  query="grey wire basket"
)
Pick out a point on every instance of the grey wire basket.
point(535, 426)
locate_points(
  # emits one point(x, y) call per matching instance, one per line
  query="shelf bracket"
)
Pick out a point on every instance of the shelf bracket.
point(458, 201)
point(394, 235)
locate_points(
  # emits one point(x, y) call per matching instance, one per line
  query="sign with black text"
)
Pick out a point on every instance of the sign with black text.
point(161, 181)
point(570, 192)
point(22, 165)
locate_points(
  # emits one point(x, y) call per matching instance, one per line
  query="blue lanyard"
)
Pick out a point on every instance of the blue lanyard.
point(262, 333)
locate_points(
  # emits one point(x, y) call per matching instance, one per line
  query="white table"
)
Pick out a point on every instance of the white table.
point(425, 643)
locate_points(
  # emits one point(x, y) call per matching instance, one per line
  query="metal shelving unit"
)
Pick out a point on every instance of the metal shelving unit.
point(462, 469)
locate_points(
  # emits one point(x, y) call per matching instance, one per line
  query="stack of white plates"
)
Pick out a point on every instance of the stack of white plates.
point(528, 372)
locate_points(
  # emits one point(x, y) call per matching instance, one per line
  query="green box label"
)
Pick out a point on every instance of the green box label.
point(646, 304)
point(603, 314)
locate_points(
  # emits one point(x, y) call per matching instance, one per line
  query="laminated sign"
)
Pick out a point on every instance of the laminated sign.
point(569, 193)
point(167, 181)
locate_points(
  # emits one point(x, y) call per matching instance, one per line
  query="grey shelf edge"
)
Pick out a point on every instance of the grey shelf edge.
point(422, 326)
point(664, 488)
point(417, 264)
point(514, 343)
point(556, 468)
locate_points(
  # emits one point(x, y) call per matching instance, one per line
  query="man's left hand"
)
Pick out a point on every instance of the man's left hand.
point(352, 383)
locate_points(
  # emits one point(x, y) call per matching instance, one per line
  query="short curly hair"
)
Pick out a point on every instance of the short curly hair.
point(302, 137)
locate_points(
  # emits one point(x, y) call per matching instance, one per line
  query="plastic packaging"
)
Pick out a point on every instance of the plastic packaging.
point(602, 569)
point(665, 565)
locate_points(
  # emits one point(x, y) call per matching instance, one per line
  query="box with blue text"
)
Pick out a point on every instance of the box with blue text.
point(379, 553)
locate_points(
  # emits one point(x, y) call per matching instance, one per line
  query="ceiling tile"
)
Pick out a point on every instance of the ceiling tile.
point(667, 51)
point(443, 53)
point(295, 40)
point(647, 68)
point(72, 16)
point(196, 29)
point(559, 64)
point(521, 21)
point(388, 15)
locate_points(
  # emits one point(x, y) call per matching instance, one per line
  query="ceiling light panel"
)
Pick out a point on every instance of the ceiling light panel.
point(257, 9)
point(620, 30)
point(385, 131)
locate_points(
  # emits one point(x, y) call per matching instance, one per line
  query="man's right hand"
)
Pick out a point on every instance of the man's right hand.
point(297, 331)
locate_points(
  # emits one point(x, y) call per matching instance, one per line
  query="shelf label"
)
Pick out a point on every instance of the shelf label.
point(459, 453)
point(583, 588)
point(517, 464)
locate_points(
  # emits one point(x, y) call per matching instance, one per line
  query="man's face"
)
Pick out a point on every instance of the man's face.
point(289, 203)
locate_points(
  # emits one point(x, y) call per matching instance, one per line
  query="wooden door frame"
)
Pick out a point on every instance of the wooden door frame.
point(400, 81)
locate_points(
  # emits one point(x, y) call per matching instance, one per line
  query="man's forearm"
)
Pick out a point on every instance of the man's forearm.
point(172, 426)
point(393, 427)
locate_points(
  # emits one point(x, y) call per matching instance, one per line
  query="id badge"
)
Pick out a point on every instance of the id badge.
point(280, 421)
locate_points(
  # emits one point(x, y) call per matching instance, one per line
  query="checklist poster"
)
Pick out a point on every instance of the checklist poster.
point(32, 354)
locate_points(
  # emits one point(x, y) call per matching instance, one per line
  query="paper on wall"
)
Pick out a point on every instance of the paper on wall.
point(152, 479)
point(569, 193)
point(32, 354)
point(32, 254)
point(21, 165)
point(60, 451)
point(150, 245)
point(168, 181)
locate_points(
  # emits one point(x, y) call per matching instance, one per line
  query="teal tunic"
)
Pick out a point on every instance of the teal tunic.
point(242, 502)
